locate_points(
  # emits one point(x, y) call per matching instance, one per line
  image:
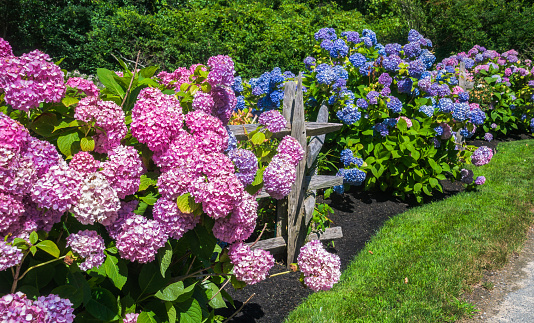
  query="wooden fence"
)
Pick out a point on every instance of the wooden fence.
point(295, 211)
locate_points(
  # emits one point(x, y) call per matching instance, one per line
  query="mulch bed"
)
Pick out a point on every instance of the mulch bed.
point(360, 214)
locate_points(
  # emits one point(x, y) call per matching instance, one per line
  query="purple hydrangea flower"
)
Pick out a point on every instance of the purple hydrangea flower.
point(250, 266)
point(90, 246)
point(10, 256)
point(321, 269)
point(482, 156)
point(273, 120)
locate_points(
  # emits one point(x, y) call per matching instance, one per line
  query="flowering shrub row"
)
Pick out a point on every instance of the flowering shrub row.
point(132, 202)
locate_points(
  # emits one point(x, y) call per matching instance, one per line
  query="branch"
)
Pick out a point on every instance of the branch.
point(131, 81)
point(242, 305)
point(261, 233)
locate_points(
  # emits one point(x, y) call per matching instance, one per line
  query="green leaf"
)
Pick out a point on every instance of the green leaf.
point(141, 208)
point(149, 199)
point(433, 182)
point(87, 144)
point(202, 242)
point(44, 124)
point(150, 279)
point(147, 317)
point(68, 101)
point(65, 142)
point(171, 292)
point(106, 77)
point(33, 250)
point(417, 188)
point(116, 270)
point(148, 71)
point(171, 312)
point(102, 305)
point(258, 138)
point(70, 292)
point(34, 237)
point(49, 247)
point(186, 203)
point(147, 180)
point(187, 293)
point(66, 123)
point(402, 125)
point(190, 311)
point(259, 177)
point(212, 289)
point(164, 257)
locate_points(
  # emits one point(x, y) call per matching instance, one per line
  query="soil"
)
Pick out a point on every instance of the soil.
point(360, 214)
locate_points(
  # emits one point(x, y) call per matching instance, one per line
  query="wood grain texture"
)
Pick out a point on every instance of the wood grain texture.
point(312, 129)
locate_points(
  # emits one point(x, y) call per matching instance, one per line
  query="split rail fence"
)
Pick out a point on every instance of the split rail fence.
point(294, 213)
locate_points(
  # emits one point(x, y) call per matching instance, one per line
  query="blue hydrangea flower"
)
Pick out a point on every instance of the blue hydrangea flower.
point(450, 69)
point(349, 114)
point(232, 140)
point(357, 59)
point(362, 103)
point(479, 58)
point(391, 63)
point(366, 68)
point(463, 96)
point(381, 49)
point(426, 109)
point(414, 35)
point(459, 111)
point(354, 177)
point(347, 158)
point(469, 63)
point(326, 33)
point(532, 124)
point(416, 68)
point(476, 116)
point(381, 128)
point(439, 130)
point(394, 104)
point(405, 85)
point(238, 84)
point(465, 133)
point(367, 42)
point(332, 100)
point(348, 96)
point(427, 58)
point(339, 189)
point(390, 122)
point(440, 76)
point(309, 62)
point(372, 96)
point(412, 49)
point(424, 84)
point(352, 36)
point(341, 72)
point(443, 90)
point(393, 49)
point(339, 49)
point(325, 74)
point(240, 105)
point(453, 80)
point(371, 34)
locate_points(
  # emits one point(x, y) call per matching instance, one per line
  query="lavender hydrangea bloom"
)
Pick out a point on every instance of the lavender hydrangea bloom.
point(416, 68)
point(140, 239)
point(57, 309)
point(482, 156)
point(326, 33)
point(480, 180)
point(466, 176)
point(393, 49)
point(362, 103)
point(321, 269)
point(17, 308)
point(412, 49)
point(273, 120)
point(309, 62)
point(391, 63)
point(10, 256)
point(246, 163)
point(405, 85)
point(394, 104)
point(476, 116)
point(89, 245)
point(488, 136)
point(352, 36)
point(373, 96)
point(385, 79)
point(279, 176)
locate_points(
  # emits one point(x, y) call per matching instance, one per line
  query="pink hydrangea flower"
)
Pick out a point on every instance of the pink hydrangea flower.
point(173, 222)
point(123, 170)
point(175, 79)
point(106, 115)
point(250, 266)
point(482, 156)
point(279, 176)
point(5, 48)
point(156, 118)
point(291, 147)
point(17, 308)
point(9, 256)
point(98, 201)
point(408, 121)
point(218, 196)
point(240, 225)
point(13, 138)
point(321, 269)
point(90, 246)
point(84, 163)
point(208, 131)
point(140, 238)
point(203, 102)
point(273, 120)
point(86, 86)
point(130, 318)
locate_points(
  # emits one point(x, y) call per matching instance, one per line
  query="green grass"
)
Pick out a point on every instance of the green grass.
point(441, 249)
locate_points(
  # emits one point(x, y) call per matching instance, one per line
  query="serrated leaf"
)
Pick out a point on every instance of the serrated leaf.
point(66, 123)
point(147, 317)
point(190, 311)
point(259, 177)
point(213, 293)
point(102, 305)
point(68, 101)
point(106, 77)
point(49, 247)
point(116, 270)
point(165, 256)
point(149, 199)
point(65, 142)
point(147, 180)
point(171, 292)
point(258, 138)
point(87, 144)
point(186, 204)
point(171, 312)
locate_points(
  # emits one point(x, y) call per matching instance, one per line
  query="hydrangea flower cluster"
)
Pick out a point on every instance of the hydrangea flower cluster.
point(482, 156)
point(46, 309)
point(246, 163)
point(10, 256)
point(273, 120)
point(320, 268)
point(59, 189)
point(90, 246)
point(347, 158)
point(108, 117)
point(140, 238)
point(30, 79)
point(56, 309)
point(130, 318)
point(98, 201)
point(240, 225)
point(123, 170)
point(269, 87)
point(250, 266)
point(172, 220)
point(86, 86)
point(177, 78)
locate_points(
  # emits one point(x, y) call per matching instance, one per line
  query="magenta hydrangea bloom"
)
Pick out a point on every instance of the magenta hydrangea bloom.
point(176, 182)
point(208, 131)
point(124, 213)
point(250, 266)
point(279, 176)
point(13, 138)
point(219, 195)
point(221, 70)
point(10, 256)
point(240, 225)
point(43, 155)
point(321, 269)
point(482, 156)
point(130, 318)
point(84, 163)
point(20, 177)
point(98, 201)
point(156, 118)
point(273, 120)
point(480, 180)
point(140, 239)
point(173, 222)
point(182, 152)
point(203, 102)
point(90, 246)
point(57, 309)
point(175, 79)
point(86, 86)
point(31, 79)
point(5, 48)
point(58, 189)
point(123, 170)
point(36, 218)
point(291, 147)
point(17, 308)
point(106, 115)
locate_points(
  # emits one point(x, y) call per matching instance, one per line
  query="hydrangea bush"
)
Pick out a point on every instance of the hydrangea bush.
point(132, 201)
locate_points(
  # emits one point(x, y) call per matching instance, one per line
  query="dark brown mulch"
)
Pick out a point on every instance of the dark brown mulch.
point(360, 214)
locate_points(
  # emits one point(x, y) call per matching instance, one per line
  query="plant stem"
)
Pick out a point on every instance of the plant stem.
point(39, 265)
point(282, 273)
point(17, 272)
point(242, 305)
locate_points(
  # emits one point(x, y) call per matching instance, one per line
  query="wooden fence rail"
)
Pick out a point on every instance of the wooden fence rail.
point(295, 211)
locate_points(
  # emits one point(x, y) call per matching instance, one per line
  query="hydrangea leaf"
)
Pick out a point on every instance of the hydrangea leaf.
point(87, 144)
point(49, 247)
point(186, 204)
point(116, 270)
point(190, 311)
point(258, 138)
point(147, 317)
point(102, 305)
point(170, 293)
